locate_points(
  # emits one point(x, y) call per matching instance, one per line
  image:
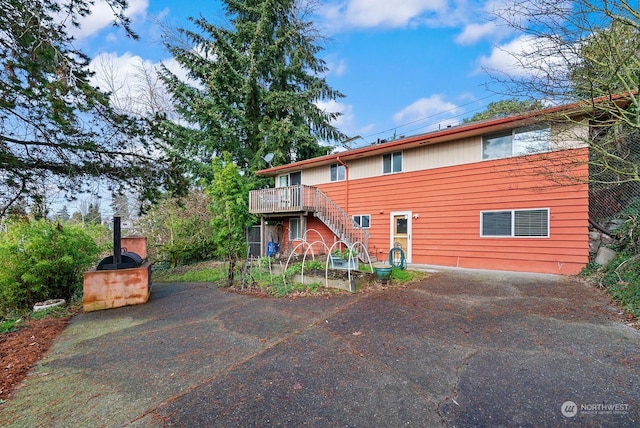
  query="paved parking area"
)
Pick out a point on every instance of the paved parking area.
point(462, 348)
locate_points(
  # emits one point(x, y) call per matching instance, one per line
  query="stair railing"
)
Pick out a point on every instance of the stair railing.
point(340, 223)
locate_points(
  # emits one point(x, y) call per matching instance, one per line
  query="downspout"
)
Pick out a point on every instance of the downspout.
point(346, 179)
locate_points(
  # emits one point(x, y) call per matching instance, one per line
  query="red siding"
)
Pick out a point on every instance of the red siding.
point(449, 201)
point(317, 234)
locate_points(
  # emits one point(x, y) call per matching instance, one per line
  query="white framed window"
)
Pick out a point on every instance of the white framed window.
point(338, 172)
point(295, 228)
point(516, 142)
point(283, 180)
point(392, 162)
point(291, 179)
point(529, 223)
point(363, 220)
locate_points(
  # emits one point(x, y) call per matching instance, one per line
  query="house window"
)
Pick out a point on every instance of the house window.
point(338, 172)
point(362, 220)
point(516, 142)
point(295, 229)
point(392, 162)
point(292, 179)
point(515, 223)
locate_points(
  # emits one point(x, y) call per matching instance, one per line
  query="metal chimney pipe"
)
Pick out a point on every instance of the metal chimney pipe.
point(117, 235)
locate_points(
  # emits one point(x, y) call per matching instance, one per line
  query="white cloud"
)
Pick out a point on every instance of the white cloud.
point(486, 22)
point(337, 66)
point(346, 119)
point(102, 16)
point(346, 122)
point(340, 68)
point(380, 13)
point(525, 56)
point(427, 109)
point(474, 32)
point(132, 82)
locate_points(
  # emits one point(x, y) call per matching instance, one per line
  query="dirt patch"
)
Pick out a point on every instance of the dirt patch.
point(21, 349)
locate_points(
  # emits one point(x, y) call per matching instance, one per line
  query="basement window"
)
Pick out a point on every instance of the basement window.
point(295, 228)
point(362, 220)
point(532, 223)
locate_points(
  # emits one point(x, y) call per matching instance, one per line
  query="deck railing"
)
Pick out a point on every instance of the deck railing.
point(291, 199)
point(282, 200)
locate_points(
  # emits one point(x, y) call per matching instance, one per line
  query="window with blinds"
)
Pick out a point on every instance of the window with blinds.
point(515, 223)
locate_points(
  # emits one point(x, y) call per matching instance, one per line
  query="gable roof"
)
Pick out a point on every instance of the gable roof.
point(442, 135)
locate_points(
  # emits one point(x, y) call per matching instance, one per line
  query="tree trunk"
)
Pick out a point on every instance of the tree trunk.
point(232, 265)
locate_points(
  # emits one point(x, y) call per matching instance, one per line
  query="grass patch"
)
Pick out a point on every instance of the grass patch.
point(257, 277)
point(621, 278)
point(13, 321)
point(199, 275)
point(7, 326)
point(197, 272)
point(55, 312)
point(402, 276)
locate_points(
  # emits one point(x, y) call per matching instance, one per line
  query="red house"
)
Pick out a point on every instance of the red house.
point(507, 194)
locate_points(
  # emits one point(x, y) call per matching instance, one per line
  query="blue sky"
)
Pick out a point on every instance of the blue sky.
point(406, 66)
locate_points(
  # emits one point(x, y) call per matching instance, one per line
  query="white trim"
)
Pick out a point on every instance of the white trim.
point(360, 224)
point(300, 228)
point(407, 251)
point(278, 184)
point(391, 159)
point(338, 179)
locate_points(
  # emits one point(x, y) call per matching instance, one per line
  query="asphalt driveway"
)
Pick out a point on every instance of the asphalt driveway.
point(463, 348)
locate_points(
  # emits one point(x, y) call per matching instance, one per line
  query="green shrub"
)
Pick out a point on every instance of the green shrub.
point(179, 230)
point(309, 265)
point(621, 278)
point(7, 326)
point(40, 260)
point(628, 233)
point(54, 312)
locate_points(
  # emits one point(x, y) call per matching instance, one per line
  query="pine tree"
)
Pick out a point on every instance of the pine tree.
point(255, 85)
point(93, 214)
point(63, 214)
point(54, 125)
point(120, 206)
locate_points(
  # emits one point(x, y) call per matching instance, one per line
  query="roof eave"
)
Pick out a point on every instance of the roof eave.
point(446, 134)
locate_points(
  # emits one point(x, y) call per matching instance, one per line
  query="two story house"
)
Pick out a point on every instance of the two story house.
point(509, 193)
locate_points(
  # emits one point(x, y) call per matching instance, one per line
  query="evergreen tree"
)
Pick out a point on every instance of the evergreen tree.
point(254, 87)
point(120, 206)
point(63, 214)
point(54, 125)
point(93, 214)
point(39, 209)
point(77, 217)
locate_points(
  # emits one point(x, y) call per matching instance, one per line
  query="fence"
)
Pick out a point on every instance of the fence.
point(614, 175)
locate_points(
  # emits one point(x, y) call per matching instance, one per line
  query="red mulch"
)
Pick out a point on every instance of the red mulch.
point(21, 349)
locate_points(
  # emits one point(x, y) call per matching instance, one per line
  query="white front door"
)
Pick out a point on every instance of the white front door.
point(401, 232)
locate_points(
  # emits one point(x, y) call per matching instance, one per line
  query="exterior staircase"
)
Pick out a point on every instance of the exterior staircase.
point(338, 221)
point(301, 198)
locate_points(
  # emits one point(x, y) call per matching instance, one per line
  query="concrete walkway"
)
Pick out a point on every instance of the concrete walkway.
point(463, 348)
